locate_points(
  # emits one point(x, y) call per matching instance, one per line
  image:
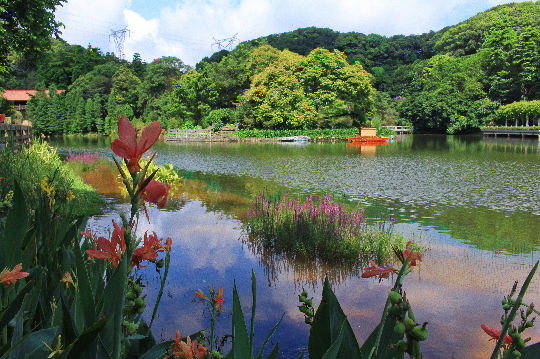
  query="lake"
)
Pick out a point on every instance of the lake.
point(473, 202)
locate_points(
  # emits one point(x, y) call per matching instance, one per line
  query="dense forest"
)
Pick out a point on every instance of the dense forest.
point(481, 71)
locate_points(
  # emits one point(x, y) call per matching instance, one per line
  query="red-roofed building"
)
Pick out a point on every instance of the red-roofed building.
point(21, 97)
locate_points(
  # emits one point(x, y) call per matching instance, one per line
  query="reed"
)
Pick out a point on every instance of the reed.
point(322, 229)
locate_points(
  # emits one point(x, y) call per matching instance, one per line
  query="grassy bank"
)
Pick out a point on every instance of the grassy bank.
point(29, 166)
point(336, 133)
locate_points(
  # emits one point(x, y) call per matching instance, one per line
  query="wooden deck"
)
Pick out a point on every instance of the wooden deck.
point(188, 135)
point(511, 132)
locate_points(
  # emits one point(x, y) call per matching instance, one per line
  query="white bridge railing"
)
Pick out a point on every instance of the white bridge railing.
point(398, 129)
point(186, 134)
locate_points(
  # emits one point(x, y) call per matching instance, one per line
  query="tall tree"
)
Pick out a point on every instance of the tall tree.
point(26, 28)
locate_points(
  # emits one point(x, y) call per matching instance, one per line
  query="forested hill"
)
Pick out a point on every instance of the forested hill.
point(453, 80)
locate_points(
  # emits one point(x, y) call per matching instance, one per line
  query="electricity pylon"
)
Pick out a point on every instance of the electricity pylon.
point(119, 38)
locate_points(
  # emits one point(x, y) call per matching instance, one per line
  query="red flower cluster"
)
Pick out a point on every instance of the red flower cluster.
point(149, 251)
point(109, 249)
point(495, 334)
point(187, 349)
point(131, 149)
point(2, 117)
point(414, 257)
point(375, 270)
point(12, 276)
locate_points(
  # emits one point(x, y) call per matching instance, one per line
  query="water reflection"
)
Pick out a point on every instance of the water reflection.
point(476, 199)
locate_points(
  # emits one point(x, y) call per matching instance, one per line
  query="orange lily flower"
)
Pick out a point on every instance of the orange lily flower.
point(495, 334)
point(202, 296)
point(414, 257)
point(219, 299)
point(67, 279)
point(187, 349)
point(375, 270)
point(11, 277)
point(155, 192)
point(112, 249)
point(147, 252)
point(129, 148)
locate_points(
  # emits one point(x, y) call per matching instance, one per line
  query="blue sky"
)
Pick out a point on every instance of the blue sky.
point(187, 29)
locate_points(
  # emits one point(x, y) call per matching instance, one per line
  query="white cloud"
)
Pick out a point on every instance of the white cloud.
point(186, 29)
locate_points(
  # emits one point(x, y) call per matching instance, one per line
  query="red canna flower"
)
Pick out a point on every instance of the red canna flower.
point(2, 117)
point(414, 257)
point(112, 249)
point(188, 349)
point(155, 192)
point(148, 252)
point(129, 148)
point(11, 276)
point(202, 296)
point(495, 334)
point(375, 270)
point(219, 299)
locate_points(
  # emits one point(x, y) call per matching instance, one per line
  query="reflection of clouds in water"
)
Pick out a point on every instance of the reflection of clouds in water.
point(206, 236)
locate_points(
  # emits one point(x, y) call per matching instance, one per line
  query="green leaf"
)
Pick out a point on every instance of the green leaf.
point(332, 352)
point(327, 325)
point(240, 342)
point(261, 349)
point(157, 350)
point(31, 345)
point(83, 280)
point(14, 306)
point(529, 352)
point(14, 230)
point(87, 337)
point(274, 353)
point(388, 337)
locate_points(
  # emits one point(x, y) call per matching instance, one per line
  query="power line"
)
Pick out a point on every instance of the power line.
point(119, 38)
point(229, 42)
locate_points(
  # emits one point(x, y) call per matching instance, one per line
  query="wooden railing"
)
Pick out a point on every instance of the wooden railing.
point(18, 133)
point(179, 134)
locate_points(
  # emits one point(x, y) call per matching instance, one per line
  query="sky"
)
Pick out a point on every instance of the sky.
point(192, 29)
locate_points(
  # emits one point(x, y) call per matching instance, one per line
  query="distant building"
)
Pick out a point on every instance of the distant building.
point(21, 97)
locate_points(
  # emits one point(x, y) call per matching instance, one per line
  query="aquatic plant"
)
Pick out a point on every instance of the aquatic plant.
point(322, 229)
point(85, 161)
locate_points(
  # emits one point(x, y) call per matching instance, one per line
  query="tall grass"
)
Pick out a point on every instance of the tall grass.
point(327, 133)
point(322, 229)
point(30, 165)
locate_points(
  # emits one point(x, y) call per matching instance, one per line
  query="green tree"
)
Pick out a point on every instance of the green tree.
point(192, 98)
point(89, 119)
point(125, 85)
point(78, 124)
point(97, 113)
point(26, 28)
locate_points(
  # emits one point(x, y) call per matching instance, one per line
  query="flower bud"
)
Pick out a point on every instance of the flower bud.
point(309, 302)
point(420, 333)
point(137, 289)
point(131, 296)
point(132, 328)
point(516, 353)
point(216, 354)
point(301, 298)
point(307, 320)
point(304, 293)
point(309, 313)
point(504, 301)
point(399, 328)
point(402, 345)
point(303, 309)
point(394, 310)
point(140, 302)
point(506, 307)
point(130, 303)
point(394, 297)
point(409, 324)
point(202, 333)
point(160, 263)
point(140, 310)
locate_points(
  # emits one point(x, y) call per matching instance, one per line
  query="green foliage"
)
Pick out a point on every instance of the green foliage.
point(338, 133)
point(219, 118)
point(320, 230)
point(125, 85)
point(26, 28)
point(242, 342)
point(30, 165)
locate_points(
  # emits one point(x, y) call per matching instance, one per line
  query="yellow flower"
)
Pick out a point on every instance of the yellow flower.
point(57, 350)
point(70, 196)
point(49, 190)
point(67, 279)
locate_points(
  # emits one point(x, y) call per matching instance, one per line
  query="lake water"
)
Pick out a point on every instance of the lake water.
point(473, 202)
